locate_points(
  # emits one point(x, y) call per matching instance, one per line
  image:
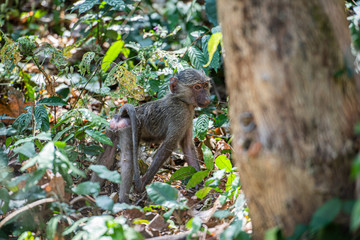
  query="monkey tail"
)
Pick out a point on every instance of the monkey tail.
point(131, 112)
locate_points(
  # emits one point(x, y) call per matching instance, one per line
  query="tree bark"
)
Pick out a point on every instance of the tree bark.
point(293, 105)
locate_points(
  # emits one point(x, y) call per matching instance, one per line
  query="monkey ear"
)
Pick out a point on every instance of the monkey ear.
point(173, 84)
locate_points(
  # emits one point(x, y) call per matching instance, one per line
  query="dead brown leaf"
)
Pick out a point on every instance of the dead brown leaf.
point(13, 105)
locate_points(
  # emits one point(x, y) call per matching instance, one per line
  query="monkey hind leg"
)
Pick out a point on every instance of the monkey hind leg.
point(126, 164)
point(107, 158)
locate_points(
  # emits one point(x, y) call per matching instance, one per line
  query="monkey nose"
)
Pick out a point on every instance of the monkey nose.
point(204, 103)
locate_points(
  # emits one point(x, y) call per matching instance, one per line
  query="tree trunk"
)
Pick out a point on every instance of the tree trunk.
point(293, 105)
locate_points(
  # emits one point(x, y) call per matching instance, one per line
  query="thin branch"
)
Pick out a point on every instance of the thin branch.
point(194, 43)
point(25, 208)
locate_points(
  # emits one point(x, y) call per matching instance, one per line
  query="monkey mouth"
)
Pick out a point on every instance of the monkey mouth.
point(202, 105)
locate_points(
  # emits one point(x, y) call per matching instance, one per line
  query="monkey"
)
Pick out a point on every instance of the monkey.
point(167, 121)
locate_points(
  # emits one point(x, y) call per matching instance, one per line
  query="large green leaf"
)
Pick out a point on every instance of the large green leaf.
point(45, 158)
point(105, 173)
point(59, 134)
point(4, 199)
point(104, 202)
point(123, 206)
point(52, 101)
point(51, 227)
point(197, 178)
point(23, 121)
point(42, 118)
point(111, 54)
point(201, 126)
point(86, 188)
point(213, 43)
point(355, 216)
point(197, 58)
point(210, 9)
point(203, 192)
point(27, 149)
point(118, 5)
point(162, 194)
point(183, 173)
point(222, 162)
point(325, 214)
point(274, 234)
point(85, 6)
point(85, 65)
point(92, 117)
point(208, 157)
point(99, 136)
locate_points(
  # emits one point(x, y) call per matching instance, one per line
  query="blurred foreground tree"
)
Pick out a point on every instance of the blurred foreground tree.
point(293, 105)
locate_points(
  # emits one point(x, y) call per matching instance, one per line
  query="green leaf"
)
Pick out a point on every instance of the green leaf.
point(222, 162)
point(203, 192)
point(42, 118)
point(355, 168)
point(197, 58)
point(91, 149)
point(183, 173)
point(208, 157)
point(85, 6)
point(111, 54)
point(197, 178)
point(105, 173)
point(45, 158)
point(234, 232)
point(23, 121)
point(210, 9)
point(195, 225)
point(4, 199)
point(74, 226)
point(201, 126)
point(85, 65)
point(220, 214)
point(325, 214)
point(65, 130)
point(118, 5)
point(52, 101)
point(123, 206)
point(51, 227)
point(355, 216)
point(213, 43)
point(162, 194)
point(60, 144)
point(92, 117)
point(104, 202)
point(229, 181)
point(299, 231)
point(273, 234)
point(27, 149)
point(86, 188)
point(99, 136)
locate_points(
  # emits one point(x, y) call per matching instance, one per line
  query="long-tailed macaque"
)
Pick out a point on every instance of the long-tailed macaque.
point(167, 121)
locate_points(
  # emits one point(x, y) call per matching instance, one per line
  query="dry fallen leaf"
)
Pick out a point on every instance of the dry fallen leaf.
point(13, 105)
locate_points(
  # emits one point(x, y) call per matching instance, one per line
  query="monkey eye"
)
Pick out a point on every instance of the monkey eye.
point(197, 87)
point(206, 85)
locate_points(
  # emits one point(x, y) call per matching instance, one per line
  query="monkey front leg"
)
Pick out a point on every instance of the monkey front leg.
point(188, 148)
point(161, 155)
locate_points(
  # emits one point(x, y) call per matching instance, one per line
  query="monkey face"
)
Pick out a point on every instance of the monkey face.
point(201, 93)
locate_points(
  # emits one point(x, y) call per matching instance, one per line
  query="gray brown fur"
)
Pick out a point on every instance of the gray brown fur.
point(167, 121)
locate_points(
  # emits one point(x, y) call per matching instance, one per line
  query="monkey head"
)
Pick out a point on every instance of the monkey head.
point(192, 86)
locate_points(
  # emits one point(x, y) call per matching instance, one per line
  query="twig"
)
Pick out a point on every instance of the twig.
point(85, 87)
point(130, 14)
point(25, 208)
point(194, 43)
point(78, 198)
